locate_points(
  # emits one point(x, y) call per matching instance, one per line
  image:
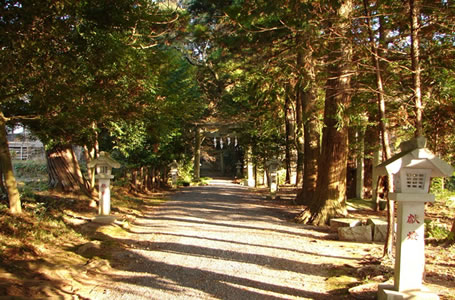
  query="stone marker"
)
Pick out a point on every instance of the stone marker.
point(411, 170)
point(174, 172)
point(104, 164)
point(272, 165)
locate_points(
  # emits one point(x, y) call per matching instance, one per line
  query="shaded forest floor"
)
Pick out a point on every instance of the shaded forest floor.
point(53, 249)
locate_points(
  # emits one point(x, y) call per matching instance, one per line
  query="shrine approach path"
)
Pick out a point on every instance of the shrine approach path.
point(223, 242)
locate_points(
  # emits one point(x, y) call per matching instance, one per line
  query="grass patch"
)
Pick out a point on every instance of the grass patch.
point(201, 182)
point(339, 280)
point(356, 203)
point(30, 169)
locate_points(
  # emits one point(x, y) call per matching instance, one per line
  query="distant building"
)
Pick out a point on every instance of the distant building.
point(23, 145)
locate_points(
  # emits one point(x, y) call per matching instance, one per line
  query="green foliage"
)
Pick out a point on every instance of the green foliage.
point(30, 168)
point(185, 171)
point(436, 230)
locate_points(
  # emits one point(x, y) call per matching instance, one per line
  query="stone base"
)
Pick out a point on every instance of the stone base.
point(379, 229)
point(343, 222)
point(387, 292)
point(104, 219)
point(356, 234)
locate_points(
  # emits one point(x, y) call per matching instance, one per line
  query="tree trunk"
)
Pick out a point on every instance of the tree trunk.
point(164, 175)
point(7, 169)
point(360, 170)
point(141, 180)
point(89, 155)
point(64, 171)
point(133, 184)
point(2, 183)
point(153, 178)
point(288, 128)
point(370, 146)
point(414, 8)
point(156, 177)
point(382, 123)
point(311, 133)
point(145, 179)
point(453, 230)
point(299, 134)
point(330, 198)
point(149, 183)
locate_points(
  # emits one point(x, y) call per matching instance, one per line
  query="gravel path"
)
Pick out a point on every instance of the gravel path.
point(222, 242)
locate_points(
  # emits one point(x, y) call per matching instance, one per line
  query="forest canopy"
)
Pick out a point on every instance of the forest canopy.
point(320, 85)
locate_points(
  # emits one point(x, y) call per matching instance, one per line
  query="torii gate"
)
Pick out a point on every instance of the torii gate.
point(217, 131)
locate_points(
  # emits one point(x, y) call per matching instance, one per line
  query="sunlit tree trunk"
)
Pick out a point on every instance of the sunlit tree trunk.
point(90, 153)
point(331, 183)
point(311, 132)
point(64, 170)
point(299, 133)
point(383, 125)
point(7, 169)
point(414, 8)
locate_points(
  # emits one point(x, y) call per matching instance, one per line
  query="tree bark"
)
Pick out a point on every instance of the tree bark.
point(153, 178)
point(331, 184)
point(288, 128)
point(383, 125)
point(64, 171)
point(370, 146)
point(7, 169)
point(91, 153)
point(133, 183)
point(360, 170)
point(299, 134)
point(149, 179)
point(414, 8)
point(311, 133)
point(2, 183)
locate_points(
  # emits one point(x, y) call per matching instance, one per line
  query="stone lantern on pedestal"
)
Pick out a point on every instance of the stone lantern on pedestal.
point(411, 170)
point(272, 166)
point(174, 172)
point(104, 164)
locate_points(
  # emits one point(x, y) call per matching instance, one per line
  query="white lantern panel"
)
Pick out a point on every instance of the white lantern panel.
point(415, 180)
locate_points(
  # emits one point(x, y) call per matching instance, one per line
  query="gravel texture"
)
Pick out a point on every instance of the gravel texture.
point(222, 242)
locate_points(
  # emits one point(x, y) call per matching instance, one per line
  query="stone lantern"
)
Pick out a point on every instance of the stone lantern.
point(104, 164)
point(272, 165)
point(174, 172)
point(411, 170)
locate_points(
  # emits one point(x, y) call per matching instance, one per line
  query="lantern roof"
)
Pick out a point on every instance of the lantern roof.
point(104, 159)
point(173, 165)
point(273, 163)
point(415, 155)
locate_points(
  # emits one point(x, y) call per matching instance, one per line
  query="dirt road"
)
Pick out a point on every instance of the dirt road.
point(221, 242)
